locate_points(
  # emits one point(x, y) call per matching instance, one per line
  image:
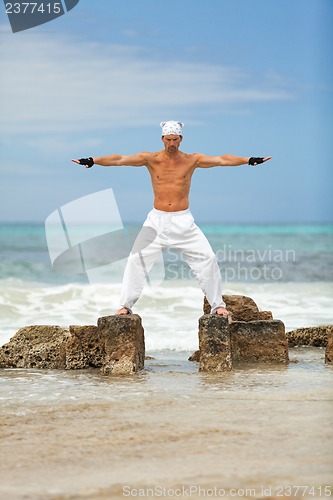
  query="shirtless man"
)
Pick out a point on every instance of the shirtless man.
point(171, 172)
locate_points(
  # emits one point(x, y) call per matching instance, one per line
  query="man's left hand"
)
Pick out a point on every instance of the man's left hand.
point(255, 160)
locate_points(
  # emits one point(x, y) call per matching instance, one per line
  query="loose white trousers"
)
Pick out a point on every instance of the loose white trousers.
point(177, 230)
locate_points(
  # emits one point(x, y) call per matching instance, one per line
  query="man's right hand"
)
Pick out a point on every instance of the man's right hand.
point(88, 162)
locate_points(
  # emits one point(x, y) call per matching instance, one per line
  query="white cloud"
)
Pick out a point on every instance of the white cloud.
point(58, 84)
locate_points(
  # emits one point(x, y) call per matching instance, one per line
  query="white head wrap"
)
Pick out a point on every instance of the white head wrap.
point(172, 128)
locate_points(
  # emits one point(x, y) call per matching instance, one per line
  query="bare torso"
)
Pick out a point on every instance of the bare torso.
point(170, 170)
point(171, 179)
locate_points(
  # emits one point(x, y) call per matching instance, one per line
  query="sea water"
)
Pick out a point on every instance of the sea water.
point(286, 269)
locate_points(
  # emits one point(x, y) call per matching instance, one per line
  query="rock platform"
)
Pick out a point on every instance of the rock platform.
point(116, 345)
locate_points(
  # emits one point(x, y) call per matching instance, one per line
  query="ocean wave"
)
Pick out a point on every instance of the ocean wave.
point(169, 312)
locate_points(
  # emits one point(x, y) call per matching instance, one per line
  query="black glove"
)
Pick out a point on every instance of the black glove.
point(255, 161)
point(89, 162)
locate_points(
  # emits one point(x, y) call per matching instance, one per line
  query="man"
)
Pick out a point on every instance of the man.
point(170, 221)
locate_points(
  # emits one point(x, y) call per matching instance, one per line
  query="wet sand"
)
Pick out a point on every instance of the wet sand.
point(249, 433)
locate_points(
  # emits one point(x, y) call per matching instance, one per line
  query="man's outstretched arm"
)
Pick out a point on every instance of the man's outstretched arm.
point(138, 160)
point(204, 161)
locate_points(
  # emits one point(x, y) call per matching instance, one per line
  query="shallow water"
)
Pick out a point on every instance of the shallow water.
point(83, 435)
point(170, 372)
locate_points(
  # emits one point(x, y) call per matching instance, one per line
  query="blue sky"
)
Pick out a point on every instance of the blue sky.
point(247, 77)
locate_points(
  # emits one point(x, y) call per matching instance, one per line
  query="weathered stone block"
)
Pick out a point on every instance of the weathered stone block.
point(315, 336)
point(214, 343)
point(124, 344)
point(258, 341)
point(84, 348)
point(241, 307)
point(329, 346)
point(116, 346)
point(38, 346)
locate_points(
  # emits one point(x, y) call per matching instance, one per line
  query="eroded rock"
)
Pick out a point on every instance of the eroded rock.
point(329, 346)
point(265, 315)
point(84, 348)
point(315, 336)
point(214, 343)
point(262, 341)
point(242, 308)
point(115, 346)
point(124, 344)
point(38, 346)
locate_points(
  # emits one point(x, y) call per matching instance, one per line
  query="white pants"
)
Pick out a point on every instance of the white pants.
point(177, 230)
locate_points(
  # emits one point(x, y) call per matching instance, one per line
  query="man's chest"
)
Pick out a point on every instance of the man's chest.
point(175, 171)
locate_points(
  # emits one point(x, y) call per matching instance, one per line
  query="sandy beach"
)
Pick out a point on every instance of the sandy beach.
point(170, 431)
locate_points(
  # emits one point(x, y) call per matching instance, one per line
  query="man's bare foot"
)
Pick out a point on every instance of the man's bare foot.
point(122, 311)
point(221, 311)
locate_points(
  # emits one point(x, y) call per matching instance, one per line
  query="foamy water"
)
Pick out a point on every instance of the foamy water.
point(169, 312)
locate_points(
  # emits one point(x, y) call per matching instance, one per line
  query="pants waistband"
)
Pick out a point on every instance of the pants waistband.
point(179, 212)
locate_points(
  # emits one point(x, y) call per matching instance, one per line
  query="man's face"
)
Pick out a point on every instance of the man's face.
point(172, 142)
